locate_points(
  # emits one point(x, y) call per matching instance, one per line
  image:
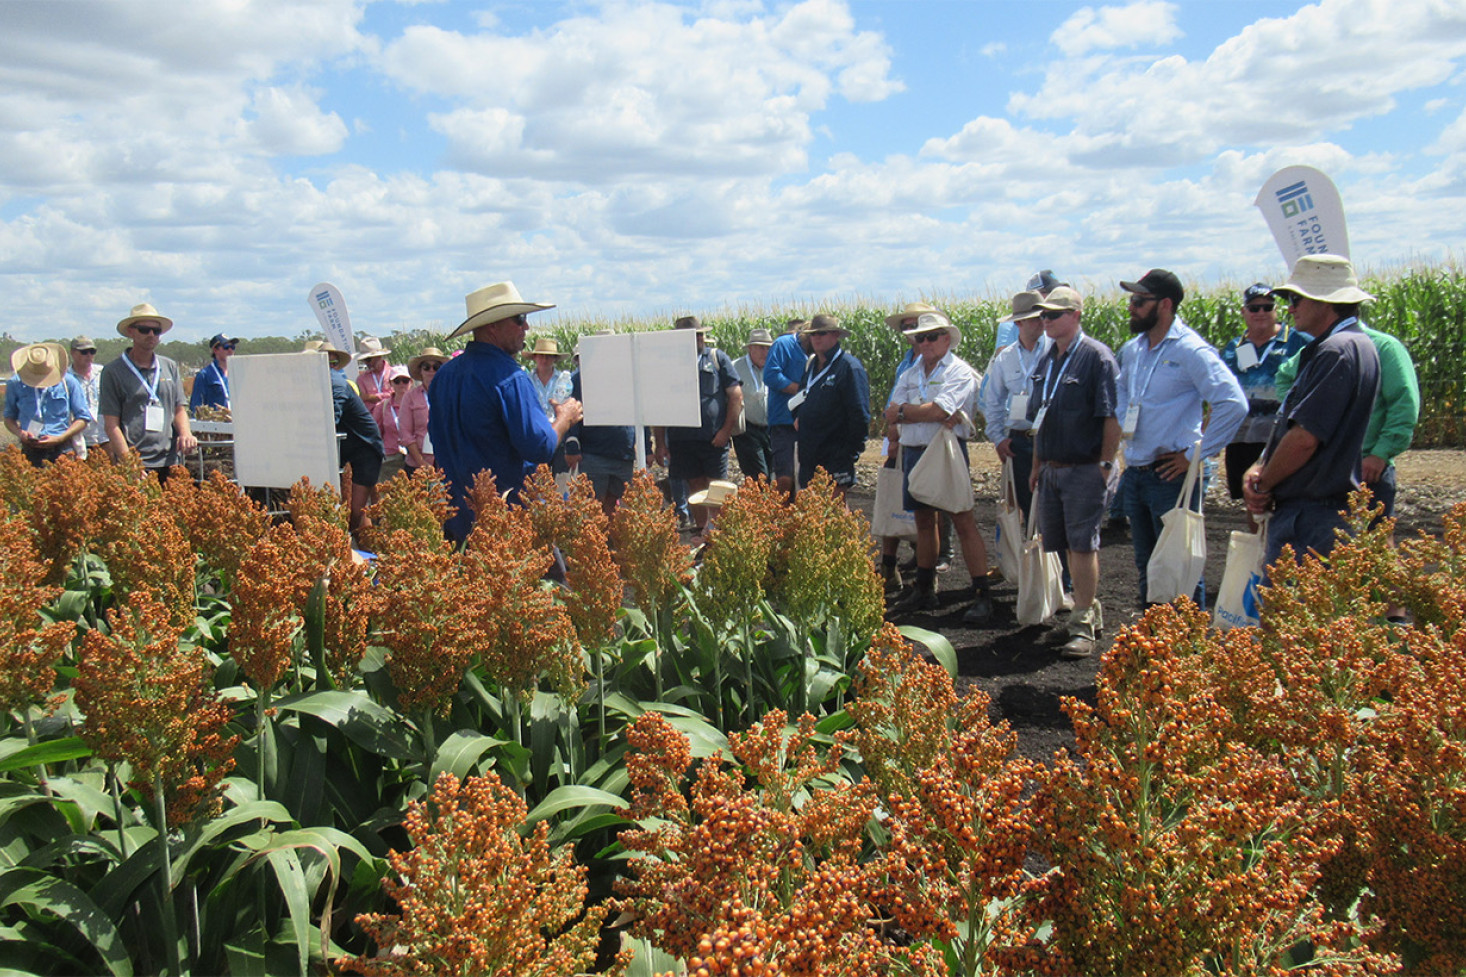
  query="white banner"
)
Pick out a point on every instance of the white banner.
point(1304, 212)
point(330, 309)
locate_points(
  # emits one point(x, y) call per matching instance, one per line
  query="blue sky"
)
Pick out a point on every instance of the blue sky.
point(219, 157)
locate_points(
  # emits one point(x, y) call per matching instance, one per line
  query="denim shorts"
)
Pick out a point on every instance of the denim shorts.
point(1071, 506)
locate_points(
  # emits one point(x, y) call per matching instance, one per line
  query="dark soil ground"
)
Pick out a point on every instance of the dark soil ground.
point(1022, 672)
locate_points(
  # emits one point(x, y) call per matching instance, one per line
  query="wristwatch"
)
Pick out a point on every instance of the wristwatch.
point(1108, 466)
point(901, 412)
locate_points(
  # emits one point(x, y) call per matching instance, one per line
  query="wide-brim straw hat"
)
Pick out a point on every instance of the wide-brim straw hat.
point(40, 365)
point(338, 358)
point(370, 346)
point(825, 323)
point(545, 346)
point(493, 303)
point(1025, 306)
point(932, 322)
point(717, 493)
point(1325, 278)
point(141, 312)
point(433, 353)
point(908, 310)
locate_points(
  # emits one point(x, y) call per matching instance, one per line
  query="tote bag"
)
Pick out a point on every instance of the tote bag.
point(1010, 528)
point(1237, 601)
point(889, 516)
point(1179, 558)
point(940, 478)
point(1040, 577)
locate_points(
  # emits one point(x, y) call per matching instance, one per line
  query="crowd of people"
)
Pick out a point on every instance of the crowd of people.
point(1301, 413)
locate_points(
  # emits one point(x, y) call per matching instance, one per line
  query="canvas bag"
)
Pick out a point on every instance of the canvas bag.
point(1179, 559)
point(940, 477)
point(1237, 600)
point(1040, 577)
point(889, 516)
point(1010, 528)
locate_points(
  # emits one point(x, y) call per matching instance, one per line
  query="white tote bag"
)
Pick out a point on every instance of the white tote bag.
point(1237, 600)
point(1040, 578)
point(940, 477)
point(1179, 559)
point(1010, 528)
point(889, 516)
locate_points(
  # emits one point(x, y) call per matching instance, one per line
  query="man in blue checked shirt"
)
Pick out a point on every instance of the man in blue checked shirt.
point(1167, 372)
point(45, 407)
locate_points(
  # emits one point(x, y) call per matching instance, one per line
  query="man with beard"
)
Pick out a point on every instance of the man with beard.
point(1167, 372)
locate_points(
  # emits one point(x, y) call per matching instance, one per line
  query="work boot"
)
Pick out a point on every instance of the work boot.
point(920, 599)
point(981, 611)
point(891, 578)
point(1084, 628)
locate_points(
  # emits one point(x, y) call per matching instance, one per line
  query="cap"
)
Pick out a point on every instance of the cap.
point(1062, 299)
point(1044, 281)
point(81, 343)
point(221, 339)
point(1160, 283)
point(1256, 290)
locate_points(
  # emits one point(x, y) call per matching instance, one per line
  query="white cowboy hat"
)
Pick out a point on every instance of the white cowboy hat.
point(1325, 278)
point(493, 303)
point(545, 346)
point(1025, 306)
point(141, 312)
point(931, 322)
point(40, 365)
point(907, 311)
point(369, 347)
point(717, 493)
point(432, 353)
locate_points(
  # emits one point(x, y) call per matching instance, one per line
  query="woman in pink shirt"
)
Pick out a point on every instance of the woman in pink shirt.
point(374, 380)
point(403, 420)
point(422, 368)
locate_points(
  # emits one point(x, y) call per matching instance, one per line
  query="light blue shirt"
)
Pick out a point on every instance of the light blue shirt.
point(55, 406)
point(1171, 382)
point(558, 390)
point(1009, 372)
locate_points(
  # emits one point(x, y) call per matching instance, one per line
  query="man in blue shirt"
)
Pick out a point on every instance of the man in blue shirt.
point(486, 416)
point(211, 384)
point(783, 379)
point(1313, 460)
point(835, 417)
point(45, 406)
point(1167, 372)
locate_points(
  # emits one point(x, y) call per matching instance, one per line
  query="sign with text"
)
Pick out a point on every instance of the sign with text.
point(330, 309)
point(284, 420)
point(1303, 210)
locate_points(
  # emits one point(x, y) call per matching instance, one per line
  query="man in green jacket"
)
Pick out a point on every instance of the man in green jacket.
point(1392, 422)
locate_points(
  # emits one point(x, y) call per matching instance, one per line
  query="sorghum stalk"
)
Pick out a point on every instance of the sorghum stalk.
point(165, 876)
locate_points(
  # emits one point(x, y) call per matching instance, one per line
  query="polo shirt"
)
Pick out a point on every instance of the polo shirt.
point(1078, 388)
point(1171, 382)
point(124, 397)
point(715, 375)
point(1338, 377)
point(1260, 381)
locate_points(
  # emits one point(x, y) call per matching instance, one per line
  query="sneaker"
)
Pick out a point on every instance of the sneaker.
point(981, 611)
point(917, 600)
point(944, 563)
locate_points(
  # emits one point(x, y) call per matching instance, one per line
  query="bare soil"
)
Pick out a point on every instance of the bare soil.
point(1020, 669)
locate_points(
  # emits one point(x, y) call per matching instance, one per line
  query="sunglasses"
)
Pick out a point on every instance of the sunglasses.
point(1049, 315)
point(225, 346)
point(85, 352)
point(1268, 307)
point(1293, 299)
point(427, 366)
point(1136, 301)
point(822, 332)
point(149, 330)
point(928, 337)
point(404, 380)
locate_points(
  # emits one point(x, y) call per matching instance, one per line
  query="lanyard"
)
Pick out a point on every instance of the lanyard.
point(1140, 350)
point(1052, 381)
point(811, 384)
point(36, 394)
point(1027, 367)
point(223, 380)
point(157, 373)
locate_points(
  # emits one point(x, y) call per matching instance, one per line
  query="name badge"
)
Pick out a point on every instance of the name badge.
point(796, 400)
point(1132, 419)
point(33, 429)
point(1017, 406)
point(427, 444)
point(153, 419)
point(1246, 357)
point(1038, 419)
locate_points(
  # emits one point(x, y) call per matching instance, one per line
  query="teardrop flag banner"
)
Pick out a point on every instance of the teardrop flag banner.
point(330, 309)
point(1304, 212)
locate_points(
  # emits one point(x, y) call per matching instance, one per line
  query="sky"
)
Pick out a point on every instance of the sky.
point(218, 158)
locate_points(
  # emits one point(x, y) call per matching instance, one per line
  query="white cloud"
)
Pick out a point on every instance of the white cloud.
point(1452, 139)
point(1149, 23)
point(290, 123)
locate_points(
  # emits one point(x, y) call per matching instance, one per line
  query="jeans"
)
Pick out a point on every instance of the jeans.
point(1147, 497)
point(1305, 525)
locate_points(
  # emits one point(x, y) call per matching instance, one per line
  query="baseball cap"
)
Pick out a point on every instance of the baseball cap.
point(1160, 283)
point(1257, 290)
point(83, 343)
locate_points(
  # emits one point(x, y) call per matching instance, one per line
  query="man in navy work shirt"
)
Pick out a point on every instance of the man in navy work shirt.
point(1167, 372)
point(835, 417)
point(485, 413)
point(1312, 461)
point(211, 384)
point(1073, 412)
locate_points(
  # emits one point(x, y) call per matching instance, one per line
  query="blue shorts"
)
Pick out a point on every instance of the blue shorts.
point(782, 438)
point(1071, 506)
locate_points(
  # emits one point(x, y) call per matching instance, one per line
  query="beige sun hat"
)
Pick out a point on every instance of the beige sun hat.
point(908, 310)
point(494, 303)
point(759, 337)
point(40, 365)
point(1025, 306)
point(338, 358)
point(931, 322)
point(1325, 278)
point(139, 313)
point(1063, 299)
point(717, 493)
point(545, 346)
point(432, 353)
point(370, 347)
